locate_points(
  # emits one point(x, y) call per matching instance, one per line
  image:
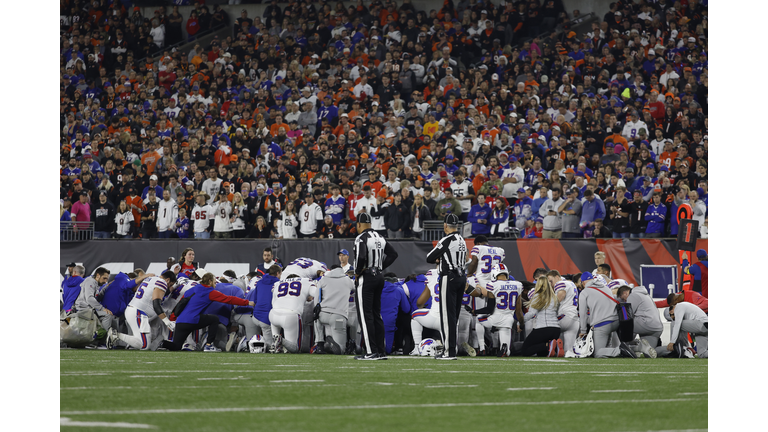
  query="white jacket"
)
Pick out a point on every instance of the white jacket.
point(167, 212)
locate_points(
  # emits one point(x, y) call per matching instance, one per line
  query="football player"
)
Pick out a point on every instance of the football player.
point(288, 299)
point(501, 295)
point(483, 257)
point(567, 312)
point(145, 307)
point(305, 268)
point(429, 318)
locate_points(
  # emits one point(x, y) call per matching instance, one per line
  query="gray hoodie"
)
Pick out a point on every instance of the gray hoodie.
point(551, 223)
point(87, 298)
point(644, 308)
point(600, 306)
point(335, 287)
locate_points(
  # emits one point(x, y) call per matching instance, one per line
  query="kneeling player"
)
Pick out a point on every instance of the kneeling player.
point(429, 318)
point(145, 306)
point(288, 299)
point(501, 295)
point(568, 309)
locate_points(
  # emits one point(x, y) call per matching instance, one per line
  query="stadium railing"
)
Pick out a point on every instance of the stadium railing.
point(76, 231)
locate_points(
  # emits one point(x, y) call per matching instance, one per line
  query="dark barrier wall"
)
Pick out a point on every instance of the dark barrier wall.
point(523, 256)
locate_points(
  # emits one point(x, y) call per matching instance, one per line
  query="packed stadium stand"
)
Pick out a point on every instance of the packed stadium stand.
point(526, 119)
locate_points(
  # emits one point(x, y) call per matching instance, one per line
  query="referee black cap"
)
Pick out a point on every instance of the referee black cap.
point(364, 218)
point(451, 219)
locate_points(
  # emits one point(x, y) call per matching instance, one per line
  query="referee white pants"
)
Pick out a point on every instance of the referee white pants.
point(138, 322)
point(290, 323)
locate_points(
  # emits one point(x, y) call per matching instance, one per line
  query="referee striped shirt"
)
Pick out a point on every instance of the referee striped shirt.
point(451, 250)
point(370, 251)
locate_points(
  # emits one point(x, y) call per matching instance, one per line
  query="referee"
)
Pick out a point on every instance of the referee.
point(451, 252)
point(370, 248)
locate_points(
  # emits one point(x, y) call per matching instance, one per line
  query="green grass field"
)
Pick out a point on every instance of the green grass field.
point(250, 392)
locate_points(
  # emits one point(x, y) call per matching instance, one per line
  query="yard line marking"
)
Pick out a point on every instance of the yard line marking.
point(64, 421)
point(296, 381)
point(153, 376)
point(531, 388)
point(220, 379)
point(617, 391)
point(86, 373)
point(384, 384)
point(693, 394)
point(368, 407)
point(450, 386)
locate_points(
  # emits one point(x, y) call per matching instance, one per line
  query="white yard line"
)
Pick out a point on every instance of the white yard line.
point(153, 376)
point(450, 386)
point(369, 407)
point(64, 421)
point(296, 381)
point(617, 391)
point(693, 394)
point(531, 388)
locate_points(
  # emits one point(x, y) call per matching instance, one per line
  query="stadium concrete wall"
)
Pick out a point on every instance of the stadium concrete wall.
point(523, 256)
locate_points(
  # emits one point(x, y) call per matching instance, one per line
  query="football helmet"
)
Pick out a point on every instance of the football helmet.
point(430, 348)
point(499, 269)
point(584, 346)
point(257, 345)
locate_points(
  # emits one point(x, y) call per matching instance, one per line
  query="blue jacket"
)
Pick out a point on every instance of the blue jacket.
point(119, 294)
point(655, 215)
point(200, 297)
point(592, 210)
point(71, 288)
point(263, 298)
point(536, 205)
point(415, 288)
point(475, 214)
point(393, 301)
point(223, 310)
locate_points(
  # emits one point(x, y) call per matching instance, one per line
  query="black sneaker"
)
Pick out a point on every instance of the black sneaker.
point(319, 349)
point(381, 357)
point(373, 356)
point(626, 351)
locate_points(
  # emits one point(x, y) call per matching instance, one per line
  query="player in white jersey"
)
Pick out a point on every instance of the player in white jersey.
point(616, 283)
point(568, 309)
point(145, 306)
point(288, 298)
point(429, 318)
point(483, 257)
point(502, 296)
point(304, 268)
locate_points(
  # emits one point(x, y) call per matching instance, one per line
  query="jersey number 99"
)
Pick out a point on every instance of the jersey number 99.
point(285, 289)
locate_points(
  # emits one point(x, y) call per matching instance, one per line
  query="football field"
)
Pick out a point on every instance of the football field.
point(196, 391)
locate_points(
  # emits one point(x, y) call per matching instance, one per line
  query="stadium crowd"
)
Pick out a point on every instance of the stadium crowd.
point(303, 306)
point(315, 112)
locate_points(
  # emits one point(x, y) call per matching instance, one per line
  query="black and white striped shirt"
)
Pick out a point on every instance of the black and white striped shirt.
point(370, 251)
point(451, 250)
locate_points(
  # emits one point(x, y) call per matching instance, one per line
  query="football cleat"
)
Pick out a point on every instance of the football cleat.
point(319, 348)
point(111, 337)
point(445, 357)
point(211, 348)
point(560, 350)
point(470, 351)
point(552, 351)
point(626, 351)
point(504, 350)
point(689, 353)
point(277, 344)
point(646, 349)
point(187, 347)
point(415, 351)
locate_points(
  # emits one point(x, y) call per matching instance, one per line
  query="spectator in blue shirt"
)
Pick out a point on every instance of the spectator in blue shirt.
point(655, 215)
point(592, 207)
point(479, 215)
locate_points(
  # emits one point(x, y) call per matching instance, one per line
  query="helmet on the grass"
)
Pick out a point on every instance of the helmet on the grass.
point(257, 345)
point(430, 348)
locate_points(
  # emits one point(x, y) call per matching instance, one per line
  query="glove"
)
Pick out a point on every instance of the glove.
point(316, 312)
point(468, 309)
point(685, 263)
point(170, 324)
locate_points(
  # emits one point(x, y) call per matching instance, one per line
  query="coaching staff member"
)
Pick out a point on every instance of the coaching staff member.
point(370, 248)
point(451, 252)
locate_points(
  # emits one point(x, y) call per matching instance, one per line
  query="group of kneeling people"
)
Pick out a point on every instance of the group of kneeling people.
point(555, 316)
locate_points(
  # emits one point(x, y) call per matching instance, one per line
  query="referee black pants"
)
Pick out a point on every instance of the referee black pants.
point(183, 330)
point(369, 286)
point(451, 293)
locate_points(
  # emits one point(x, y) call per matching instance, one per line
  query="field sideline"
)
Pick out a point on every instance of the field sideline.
point(198, 391)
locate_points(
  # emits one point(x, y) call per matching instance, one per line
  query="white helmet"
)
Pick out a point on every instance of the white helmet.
point(617, 283)
point(257, 345)
point(584, 346)
point(430, 348)
point(499, 269)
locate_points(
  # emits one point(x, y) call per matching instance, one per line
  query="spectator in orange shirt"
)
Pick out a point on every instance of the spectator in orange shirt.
point(273, 130)
point(373, 182)
point(152, 157)
point(136, 204)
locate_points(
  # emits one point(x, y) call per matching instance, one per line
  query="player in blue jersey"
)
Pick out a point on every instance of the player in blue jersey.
point(223, 311)
point(261, 296)
point(393, 302)
point(191, 318)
